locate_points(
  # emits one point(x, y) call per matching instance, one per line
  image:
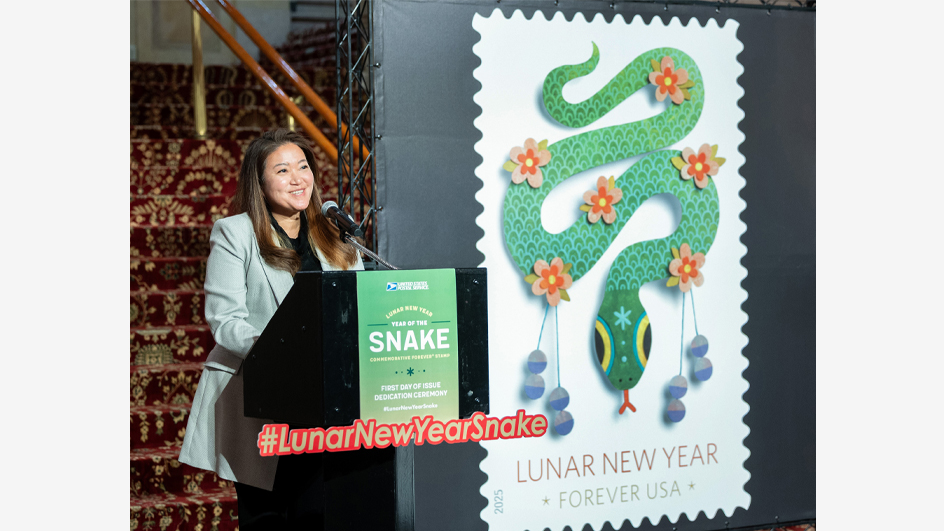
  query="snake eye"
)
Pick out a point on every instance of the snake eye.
point(642, 341)
point(603, 343)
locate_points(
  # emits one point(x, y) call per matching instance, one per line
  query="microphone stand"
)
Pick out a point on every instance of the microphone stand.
point(346, 229)
point(350, 239)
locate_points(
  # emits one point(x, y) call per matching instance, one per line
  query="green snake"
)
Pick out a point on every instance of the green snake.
point(622, 333)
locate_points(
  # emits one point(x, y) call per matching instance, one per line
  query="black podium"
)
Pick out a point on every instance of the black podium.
point(303, 370)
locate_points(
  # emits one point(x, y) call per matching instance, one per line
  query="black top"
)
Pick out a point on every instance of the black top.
point(310, 261)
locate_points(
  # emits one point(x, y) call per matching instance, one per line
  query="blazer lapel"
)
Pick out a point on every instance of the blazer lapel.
point(325, 265)
point(280, 281)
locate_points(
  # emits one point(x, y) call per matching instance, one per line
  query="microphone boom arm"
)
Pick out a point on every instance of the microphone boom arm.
point(349, 229)
point(349, 239)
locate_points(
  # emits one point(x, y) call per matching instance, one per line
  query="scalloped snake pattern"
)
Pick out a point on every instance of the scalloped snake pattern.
point(583, 243)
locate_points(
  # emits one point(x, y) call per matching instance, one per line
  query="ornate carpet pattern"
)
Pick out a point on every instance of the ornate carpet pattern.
point(310, 48)
point(237, 76)
point(167, 132)
point(181, 114)
point(180, 94)
point(178, 188)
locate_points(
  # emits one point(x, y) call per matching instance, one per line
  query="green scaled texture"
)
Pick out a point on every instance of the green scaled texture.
point(622, 332)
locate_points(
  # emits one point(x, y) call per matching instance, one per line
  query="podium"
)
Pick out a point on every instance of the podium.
point(304, 371)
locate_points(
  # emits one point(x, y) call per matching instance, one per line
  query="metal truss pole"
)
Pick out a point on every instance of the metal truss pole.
point(355, 81)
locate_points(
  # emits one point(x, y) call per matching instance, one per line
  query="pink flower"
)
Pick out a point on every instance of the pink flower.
point(527, 162)
point(686, 268)
point(668, 80)
point(600, 203)
point(698, 165)
point(551, 280)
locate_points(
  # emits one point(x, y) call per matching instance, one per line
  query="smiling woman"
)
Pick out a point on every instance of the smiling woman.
point(287, 184)
point(273, 169)
point(277, 230)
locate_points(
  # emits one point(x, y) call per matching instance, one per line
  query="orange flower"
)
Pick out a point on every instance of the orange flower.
point(686, 268)
point(698, 165)
point(600, 203)
point(667, 79)
point(526, 162)
point(551, 280)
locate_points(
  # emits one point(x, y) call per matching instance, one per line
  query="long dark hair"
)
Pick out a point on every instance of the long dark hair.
point(251, 199)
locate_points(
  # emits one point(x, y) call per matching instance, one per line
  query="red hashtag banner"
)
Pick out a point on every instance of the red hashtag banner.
point(278, 439)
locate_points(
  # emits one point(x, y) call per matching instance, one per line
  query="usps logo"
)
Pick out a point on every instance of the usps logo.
point(391, 286)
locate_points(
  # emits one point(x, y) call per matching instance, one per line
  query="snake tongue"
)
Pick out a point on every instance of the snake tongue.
point(626, 403)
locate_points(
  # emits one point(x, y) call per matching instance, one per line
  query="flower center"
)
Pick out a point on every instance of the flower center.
point(688, 268)
point(602, 202)
point(668, 81)
point(529, 162)
point(552, 279)
point(698, 167)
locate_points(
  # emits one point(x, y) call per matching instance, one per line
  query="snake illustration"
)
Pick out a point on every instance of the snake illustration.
point(622, 333)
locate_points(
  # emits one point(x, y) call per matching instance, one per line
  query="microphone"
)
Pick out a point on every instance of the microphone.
point(330, 210)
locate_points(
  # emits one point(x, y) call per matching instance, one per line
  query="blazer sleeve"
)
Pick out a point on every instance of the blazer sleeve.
point(226, 289)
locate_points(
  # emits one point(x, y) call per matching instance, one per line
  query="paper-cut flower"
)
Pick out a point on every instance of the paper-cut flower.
point(686, 268)
point(551, 280)
point(526, 162)
point(670, 81)
point(699, 166)
point(599, 202)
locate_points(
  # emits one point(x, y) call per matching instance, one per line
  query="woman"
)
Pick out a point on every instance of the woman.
point(277, 230)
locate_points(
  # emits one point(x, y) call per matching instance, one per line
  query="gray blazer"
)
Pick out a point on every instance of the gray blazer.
point(242, 294)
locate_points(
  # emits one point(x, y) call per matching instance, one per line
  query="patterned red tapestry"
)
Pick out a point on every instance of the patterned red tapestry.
point(179, 188)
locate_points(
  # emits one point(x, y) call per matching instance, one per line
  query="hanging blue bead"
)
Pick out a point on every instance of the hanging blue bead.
point(534, 387)
point(559, 398)
point(699, 346)
point(676, 410)
point(537, 362)
point(563, 423)
point(678, 386)
point(702, 369)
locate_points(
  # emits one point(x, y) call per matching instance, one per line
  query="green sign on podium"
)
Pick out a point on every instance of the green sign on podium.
point(408, 344)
